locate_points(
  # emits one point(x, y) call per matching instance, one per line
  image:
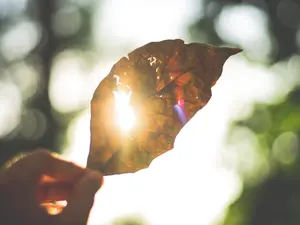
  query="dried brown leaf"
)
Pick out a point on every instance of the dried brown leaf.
point(159, 76)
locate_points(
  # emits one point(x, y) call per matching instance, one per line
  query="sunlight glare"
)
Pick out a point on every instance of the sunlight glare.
point(125, 113)
point(117, 22)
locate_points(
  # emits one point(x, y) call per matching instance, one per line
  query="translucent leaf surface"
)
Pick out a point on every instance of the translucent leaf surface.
point(145, 100)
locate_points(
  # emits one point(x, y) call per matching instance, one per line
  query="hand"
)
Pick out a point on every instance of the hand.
point(41, 177)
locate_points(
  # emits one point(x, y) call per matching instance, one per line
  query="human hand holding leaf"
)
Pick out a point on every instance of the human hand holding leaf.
point(143, 103)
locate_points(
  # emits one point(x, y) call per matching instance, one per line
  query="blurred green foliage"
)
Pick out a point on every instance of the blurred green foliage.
point(32, 35)
point(276, 198)
point(133, 220)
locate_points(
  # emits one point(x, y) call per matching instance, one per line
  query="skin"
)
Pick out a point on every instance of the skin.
point(41, 177)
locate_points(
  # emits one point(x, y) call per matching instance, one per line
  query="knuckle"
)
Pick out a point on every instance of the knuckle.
point(42, 155)
point(42, 152)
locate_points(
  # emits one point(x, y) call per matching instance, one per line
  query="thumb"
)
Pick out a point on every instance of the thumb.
point(82, 199)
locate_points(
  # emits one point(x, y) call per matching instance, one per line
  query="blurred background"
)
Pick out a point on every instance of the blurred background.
point(236, 162)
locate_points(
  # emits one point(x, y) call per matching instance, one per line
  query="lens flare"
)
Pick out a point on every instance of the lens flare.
point(179, 108)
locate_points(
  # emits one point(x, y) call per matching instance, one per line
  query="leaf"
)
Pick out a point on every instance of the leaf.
point(165, 83)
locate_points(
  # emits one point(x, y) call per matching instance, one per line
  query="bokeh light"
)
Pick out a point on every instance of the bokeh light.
point(67, 21)
point(248, 27)
point(140, 23)
point(27, 79)
point(51, 63)
point(20, 39)
point(33, 124)
point(286, 148)
point(10, 107)
point(10, 8)
point(76, 146)
point(69, 82)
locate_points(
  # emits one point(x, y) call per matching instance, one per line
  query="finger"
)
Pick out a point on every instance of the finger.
point(54, 191)
point(82, 199)
point(25, 174)
point(55, 167)
point(34, 165)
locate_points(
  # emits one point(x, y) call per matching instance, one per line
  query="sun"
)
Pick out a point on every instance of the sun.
point(124, 112)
